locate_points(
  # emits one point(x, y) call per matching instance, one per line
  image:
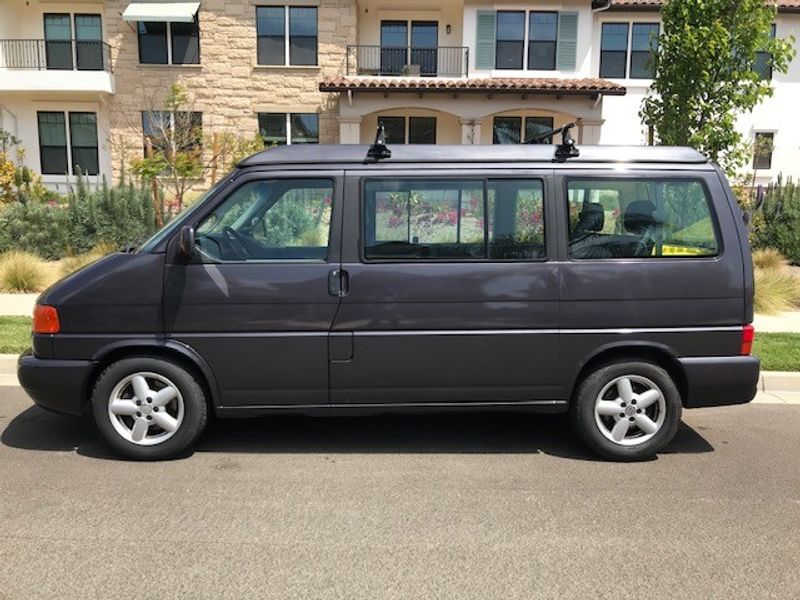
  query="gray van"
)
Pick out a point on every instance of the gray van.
point(613, 284)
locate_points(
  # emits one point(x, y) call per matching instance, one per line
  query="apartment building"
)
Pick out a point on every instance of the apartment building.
point(81, 83)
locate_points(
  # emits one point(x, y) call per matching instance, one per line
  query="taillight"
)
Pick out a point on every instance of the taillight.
point(45, 319)
point(748, 335)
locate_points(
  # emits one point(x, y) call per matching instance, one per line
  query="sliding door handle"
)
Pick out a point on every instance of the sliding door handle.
point(338, 282)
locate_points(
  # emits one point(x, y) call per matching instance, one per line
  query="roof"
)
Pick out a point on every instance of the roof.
point(529, 85)
point(314, 154)
point(783, 5)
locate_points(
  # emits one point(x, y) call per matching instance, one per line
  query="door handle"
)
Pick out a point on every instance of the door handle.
point(338, 282)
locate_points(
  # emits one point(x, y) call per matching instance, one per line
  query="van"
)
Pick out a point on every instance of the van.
point(613, 284)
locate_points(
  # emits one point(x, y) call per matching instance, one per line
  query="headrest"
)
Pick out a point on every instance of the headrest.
point(639, 216)
point(592, 217)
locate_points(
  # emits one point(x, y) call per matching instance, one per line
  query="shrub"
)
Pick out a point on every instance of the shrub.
point(118, 216)
point(768, 258)
point(22, 272)
point(776, 290)
point(776, 222)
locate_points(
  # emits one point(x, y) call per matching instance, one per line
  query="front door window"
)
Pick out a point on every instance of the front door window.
point(424, 42)
point(279, 219)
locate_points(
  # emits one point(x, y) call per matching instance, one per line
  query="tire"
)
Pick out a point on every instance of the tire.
point(170, 417)
point(627, 432)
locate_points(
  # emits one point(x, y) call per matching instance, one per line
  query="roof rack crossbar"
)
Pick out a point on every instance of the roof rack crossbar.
point(566, 149)
point(378, 150)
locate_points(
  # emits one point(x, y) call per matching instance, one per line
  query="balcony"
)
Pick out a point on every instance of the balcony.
point(385, 61)
point(55, 66)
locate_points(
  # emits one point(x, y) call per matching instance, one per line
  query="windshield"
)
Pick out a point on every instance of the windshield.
point(170, 227)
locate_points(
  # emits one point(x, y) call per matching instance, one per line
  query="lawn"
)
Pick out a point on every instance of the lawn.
point(15, 334)
point(778, 351)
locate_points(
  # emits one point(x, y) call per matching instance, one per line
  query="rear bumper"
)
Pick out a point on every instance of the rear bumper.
point(720, 380)
point(57, 385)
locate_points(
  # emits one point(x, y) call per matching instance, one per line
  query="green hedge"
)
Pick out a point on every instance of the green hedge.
point(122, 215)
point(776, 220)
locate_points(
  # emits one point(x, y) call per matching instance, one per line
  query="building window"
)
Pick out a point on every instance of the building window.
point(542, 40)
point(287, 35)
point(83, 143)
point(278, 129)
point(508, 130)
point(614, 50)
point(618, 59)
point(510, 39)
point(80, 155)
point(89, 42)
point(644, 40)
point(85, 51)
point(53, 143)
point(410, 130)
point(169, 43)
point(762, 150)
point(58, 41)
point(763, 62)
point(164, 131)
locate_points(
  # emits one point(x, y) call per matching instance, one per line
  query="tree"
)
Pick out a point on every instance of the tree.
point(179, 154)
point(706, 74)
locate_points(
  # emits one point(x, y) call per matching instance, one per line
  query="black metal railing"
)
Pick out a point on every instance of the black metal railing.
point(442, 61)
point(64, 55)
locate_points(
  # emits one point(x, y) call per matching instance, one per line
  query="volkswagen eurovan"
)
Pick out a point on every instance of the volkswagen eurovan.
point(613, 284)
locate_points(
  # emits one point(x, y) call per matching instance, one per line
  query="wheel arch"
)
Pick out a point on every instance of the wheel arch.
point(184, 355)
point(659, 354)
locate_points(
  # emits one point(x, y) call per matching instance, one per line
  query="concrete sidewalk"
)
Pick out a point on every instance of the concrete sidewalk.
point(773, 387)
point(17, 304)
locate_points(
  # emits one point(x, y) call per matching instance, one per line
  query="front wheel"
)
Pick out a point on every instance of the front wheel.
point(627, 410)
point(149, 408)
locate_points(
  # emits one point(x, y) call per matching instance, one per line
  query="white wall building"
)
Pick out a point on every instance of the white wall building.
point(457, 72)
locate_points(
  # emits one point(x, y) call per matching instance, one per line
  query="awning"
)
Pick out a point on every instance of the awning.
point(174, 12)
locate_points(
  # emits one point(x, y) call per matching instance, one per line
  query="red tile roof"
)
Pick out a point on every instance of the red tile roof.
point(790, 5)
point(499, 85)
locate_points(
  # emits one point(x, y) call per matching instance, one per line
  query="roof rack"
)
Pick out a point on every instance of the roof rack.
point(378, 150)
point(566, 149)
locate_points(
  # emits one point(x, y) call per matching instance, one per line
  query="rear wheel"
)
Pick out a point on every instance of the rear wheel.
point(627, 410)
point(149, 408)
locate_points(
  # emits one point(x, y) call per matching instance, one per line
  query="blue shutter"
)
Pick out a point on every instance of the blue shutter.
point(485, 39)
point(567, 49)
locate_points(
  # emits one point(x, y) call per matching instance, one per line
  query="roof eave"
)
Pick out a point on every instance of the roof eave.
point(592, 93)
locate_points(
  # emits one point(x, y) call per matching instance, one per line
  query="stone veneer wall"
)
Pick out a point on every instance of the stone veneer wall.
point(227, 86)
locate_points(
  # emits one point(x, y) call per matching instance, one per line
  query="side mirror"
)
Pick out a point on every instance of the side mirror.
point(186, 245)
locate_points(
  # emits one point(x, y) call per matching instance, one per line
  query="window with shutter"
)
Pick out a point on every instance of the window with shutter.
point(484, 39)
point(567, 41)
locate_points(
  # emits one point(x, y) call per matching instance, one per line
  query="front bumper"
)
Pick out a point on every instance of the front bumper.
point(57, 385)
point(720, 380)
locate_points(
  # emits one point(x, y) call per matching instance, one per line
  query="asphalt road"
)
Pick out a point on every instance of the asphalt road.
point(461, 506)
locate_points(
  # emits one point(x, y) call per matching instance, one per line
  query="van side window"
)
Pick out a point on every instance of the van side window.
point(279, 219)
point(441, 219)
point(640, 218)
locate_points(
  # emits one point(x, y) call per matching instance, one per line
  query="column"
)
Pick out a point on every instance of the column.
point(470, 131)
point(349, 130)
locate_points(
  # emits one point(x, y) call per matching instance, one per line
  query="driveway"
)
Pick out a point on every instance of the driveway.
point(463, 506)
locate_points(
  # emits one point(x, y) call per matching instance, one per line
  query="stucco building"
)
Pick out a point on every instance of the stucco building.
point(82, 82)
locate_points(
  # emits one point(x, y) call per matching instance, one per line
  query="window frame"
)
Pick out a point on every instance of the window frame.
point(522, 41)
point(334, 234)
point(768, 72)
point(70, 170)
point(169, 37)
point(287, 36)
point(631, 51)
point(630, 24)
point(72, 145)
point(547, 215)
point(407, 119)
point(530, 42)
point(287, 126)
point(643, 177)
point(771, 135)
point(523, 129)
point(626, 52)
